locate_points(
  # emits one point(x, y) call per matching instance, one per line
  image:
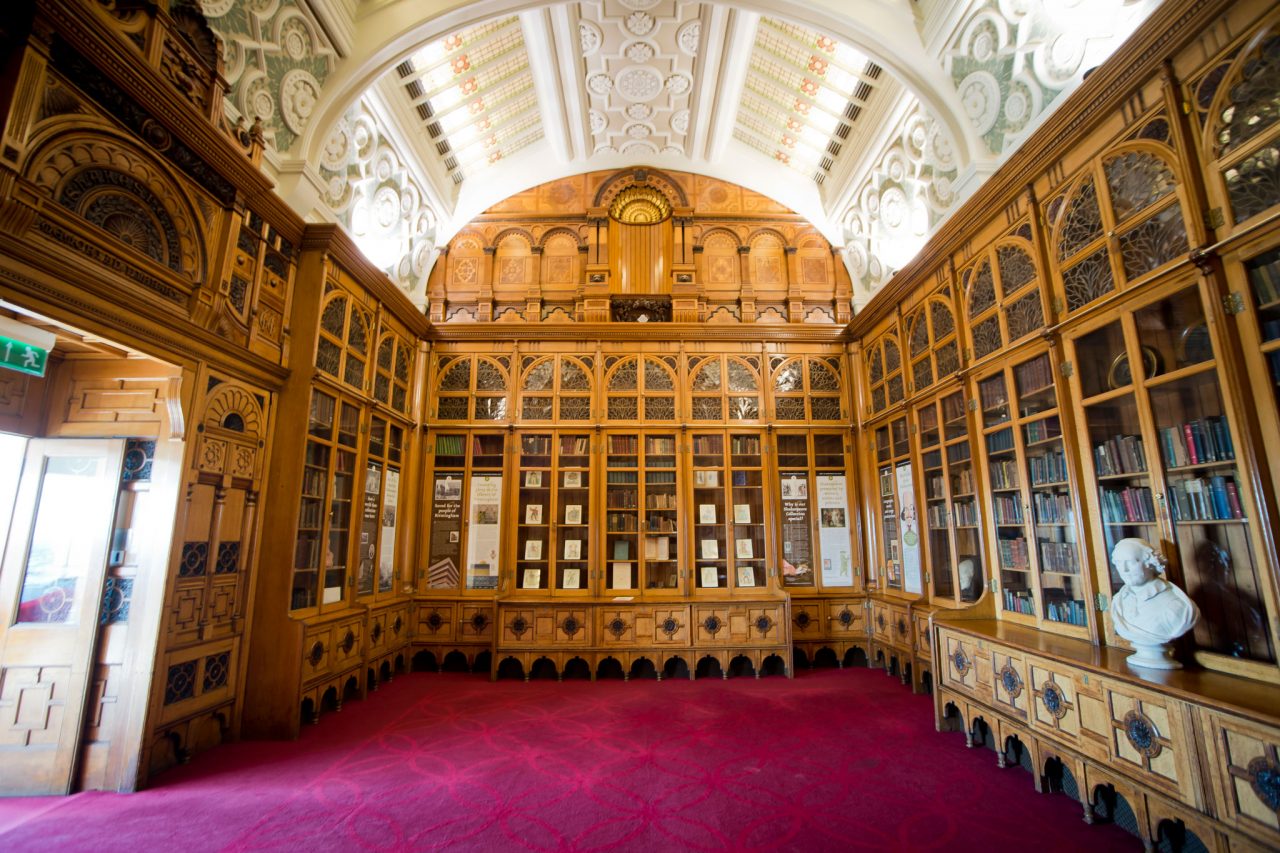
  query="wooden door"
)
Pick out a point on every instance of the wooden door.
point(50, 592)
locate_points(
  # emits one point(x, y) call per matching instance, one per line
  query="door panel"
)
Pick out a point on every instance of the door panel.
point(50, 591)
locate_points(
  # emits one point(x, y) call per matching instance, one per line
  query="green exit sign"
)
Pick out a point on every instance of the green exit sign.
point(22, 356)
point(24, 348)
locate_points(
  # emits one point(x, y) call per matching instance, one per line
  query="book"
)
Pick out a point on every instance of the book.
point(621, 549)
point(572, 579)
point(532, 579)
point(710, 549)
point(743, 550)
point(621, 576)
point(573, 479)
point(710, 576)
point(573, 549)
point(706, 513)
point(533, 514)
point(742, 513)
point(533, 549)
point(746, 576)
point(573, 514)
point(533, 479)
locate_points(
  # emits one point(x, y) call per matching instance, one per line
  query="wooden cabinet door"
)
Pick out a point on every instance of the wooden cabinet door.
point(50, 592)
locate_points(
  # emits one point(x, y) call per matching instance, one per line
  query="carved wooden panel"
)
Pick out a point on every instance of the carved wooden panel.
point(347, 644)
point(477, 622)
point(32, 702)
point(1246, 770)
point(184, 614)
point(109, 401)
point(316, 653)
point(1009, 684)
point(435, 621)
point(1147, 738)
point(960, 658)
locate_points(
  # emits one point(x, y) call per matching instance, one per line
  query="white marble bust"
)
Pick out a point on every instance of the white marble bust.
point(1148, 611)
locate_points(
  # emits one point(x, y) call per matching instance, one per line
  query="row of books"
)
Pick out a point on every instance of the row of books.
point(1071, 611)
point(962, 481)
point(652, 501)
point(1206, 499)
point(574, 445)
point(624, 445)
point(708, 445)
point(1048, 467)
point(660, 524)
point(958, 452)
point(744, 445)
point(1043, 430)
point(1120, 454)
point(1265, 278)
point(450, 445)
point(1059, 557)
point(310, 514)
point(1052, 508)
point(535, 445)
point(621, 478)
point(933, 486)
point(937, 515)
point(660, 445)
point(1013, 554)
point(1196, 442)
point(313, 482)
point(1004, 474)
point(966, 513)
point(1000, 441)
point(992, 394)
point(1007, 510)
point(1034, 375)
point(1130, 504)
point(1019, 601)
point(621, 499)
point(660, 478)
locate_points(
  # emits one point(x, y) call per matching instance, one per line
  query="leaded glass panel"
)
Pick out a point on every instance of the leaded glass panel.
point(382, 388)
point(1024, 316)
point(708, 377)
point(744, 408)
point(877, 398)
point(489, 377)
point(328, 357)
point(452, 408)
point(575, 408)
point(983, 293)
point(457, 377)
point(659, 408)
point(573, 377)
point(655, 378)
point(402, 363)
point(896, 390)
point(542, 377)
point(791, 408)
point(1253, 103)
point(948, 358)
point(623, 409)
point(825, 408)
point(1088, 280)
point(822, 377)
point(919, 341)
point(922, 374)
point(892, 359)
point(1081, 223)
point(1253, 184)
point(1153, 243)
point(1016, 268)
point(986, 337)
point(789, 378)
point(490, 408)
point(741, 377)
point(1137, 180)
point(625, 377)
point(708, 409)
point(943, 321)
point(537, 409)
point(353, 375)
point(398, 398)
point(358, 333)
point(334, 316)
point(386, 350)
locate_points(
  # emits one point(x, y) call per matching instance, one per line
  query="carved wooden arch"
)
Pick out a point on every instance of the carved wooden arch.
point(811, 239)
point(612, 372)
point(110, 182)
point(514, 231)
point(329, 299)
point(969, 280)
point(465, 236)
point(641, 176)
point(718, 230)
point(913, 323)
point(1268, 29)
point(932, 304)
point(831, 365)
point(559, 230)
point(503, 372)
point(445, 368)
point(775, 373)
point(766, 232)
point(232, 407)
point(1164, 153)
point(525, 371)
point(754, 370)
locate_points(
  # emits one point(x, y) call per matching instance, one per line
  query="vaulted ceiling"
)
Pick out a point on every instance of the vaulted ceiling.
point(403, 119)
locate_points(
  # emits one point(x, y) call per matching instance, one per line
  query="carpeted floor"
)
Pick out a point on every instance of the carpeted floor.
point(834, 760)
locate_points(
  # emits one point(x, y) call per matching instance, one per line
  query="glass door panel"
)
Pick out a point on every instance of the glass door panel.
point(622, 513)
point(573, 505)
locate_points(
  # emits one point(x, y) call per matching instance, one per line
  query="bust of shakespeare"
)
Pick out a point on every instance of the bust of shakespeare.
point(1148, 611)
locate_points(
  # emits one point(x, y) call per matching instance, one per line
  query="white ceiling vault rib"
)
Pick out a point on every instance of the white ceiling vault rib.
point(541, 45)
point(572, 83)
point(739, 30)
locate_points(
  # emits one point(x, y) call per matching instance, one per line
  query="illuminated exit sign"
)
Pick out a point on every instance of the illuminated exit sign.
point(24, 348)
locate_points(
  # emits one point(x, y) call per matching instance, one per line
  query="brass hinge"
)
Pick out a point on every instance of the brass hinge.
point(973, 405)
point(993, 585)
point(1059, 307)
point(1215, 217)
point(913, 429)
point(1103, 602)
point(1233, 302)
point(1068, 369)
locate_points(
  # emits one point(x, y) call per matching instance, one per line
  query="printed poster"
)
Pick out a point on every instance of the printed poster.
point(368, 547)
point(833, 530)
point(387, 545)
point(797, 538)
point(484, 535)
point(446, 532)
point(909, 527)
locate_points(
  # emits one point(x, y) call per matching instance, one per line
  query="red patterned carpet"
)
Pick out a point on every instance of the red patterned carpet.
point(834, 760)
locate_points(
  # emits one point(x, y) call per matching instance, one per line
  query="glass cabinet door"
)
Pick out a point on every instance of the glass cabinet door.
point(449, 472)
point(308, 552)
point(572, 514)
point(746, 511)
point(660, 552)
point(710, 520)
point(937, 519)
point(970, 579)
point(797, 528)
point(1013, 561)
point(622, 513)
point(484, 511)
point(533, 513)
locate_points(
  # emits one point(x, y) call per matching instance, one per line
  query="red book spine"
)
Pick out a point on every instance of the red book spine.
point(1191, 445)
point(1233, 499)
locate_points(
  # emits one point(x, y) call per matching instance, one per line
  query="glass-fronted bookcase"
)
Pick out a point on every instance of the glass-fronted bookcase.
point(897, 526)
point(465, 478)
point(729, 542)
point(553, 513)
point(642, 511)
point(1162, 456)
point(1035, 551)
point(816, 526)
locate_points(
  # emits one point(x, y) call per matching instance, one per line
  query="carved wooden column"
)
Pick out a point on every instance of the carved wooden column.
point(595, 291)
point(844, 287)
point(533, 297)
point(685, 290)
point(435, 286)
point(747, 295)
point(795, 298)
point(484, 299)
